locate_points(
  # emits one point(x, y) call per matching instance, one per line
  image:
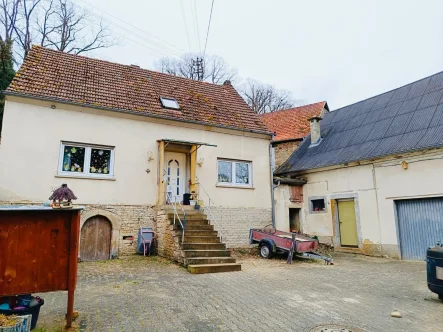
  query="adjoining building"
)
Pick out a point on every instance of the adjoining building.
point(290, 128)
point(372, 172)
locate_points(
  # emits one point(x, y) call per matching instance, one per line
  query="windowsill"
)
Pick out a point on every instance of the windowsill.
point(318, 212)
point(84, 177)
point(233, 186)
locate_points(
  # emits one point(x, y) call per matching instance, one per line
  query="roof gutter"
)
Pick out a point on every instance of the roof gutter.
point(283, 180)
point(112, 109)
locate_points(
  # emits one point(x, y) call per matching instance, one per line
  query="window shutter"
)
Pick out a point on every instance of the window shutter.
point(296, 194)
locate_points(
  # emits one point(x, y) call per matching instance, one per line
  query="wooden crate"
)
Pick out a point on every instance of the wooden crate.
point(39, 250)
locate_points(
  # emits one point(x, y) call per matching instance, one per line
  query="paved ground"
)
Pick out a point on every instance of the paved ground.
point(150, 294)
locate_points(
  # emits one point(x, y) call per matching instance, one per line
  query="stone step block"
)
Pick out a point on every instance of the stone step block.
point(203, 246)
point(198, 232)
point(208, 260)
point(196, 227)
point(190, 238)
point(214, 268)
point(206, 253)
point(188, 216)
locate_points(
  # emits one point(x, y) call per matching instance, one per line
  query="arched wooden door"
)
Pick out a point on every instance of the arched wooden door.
point(95, 242)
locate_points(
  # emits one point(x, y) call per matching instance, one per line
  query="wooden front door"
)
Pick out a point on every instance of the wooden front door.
point(175, 176)
point(348, 224)
point(95, 243)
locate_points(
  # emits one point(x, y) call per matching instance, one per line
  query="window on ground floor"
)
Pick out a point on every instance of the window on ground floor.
point(317, 204)
point(234, 173)
point(79, 159)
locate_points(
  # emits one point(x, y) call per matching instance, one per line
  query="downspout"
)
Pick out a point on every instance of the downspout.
point(272, 166)
point(374, 183)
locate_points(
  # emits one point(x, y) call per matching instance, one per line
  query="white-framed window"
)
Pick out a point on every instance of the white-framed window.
point(78, 159)
point(234, 173)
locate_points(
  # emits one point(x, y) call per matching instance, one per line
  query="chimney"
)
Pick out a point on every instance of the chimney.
point(315, 130)
point(227, 82)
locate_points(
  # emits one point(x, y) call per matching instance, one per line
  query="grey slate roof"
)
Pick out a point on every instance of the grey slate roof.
point(406, 119)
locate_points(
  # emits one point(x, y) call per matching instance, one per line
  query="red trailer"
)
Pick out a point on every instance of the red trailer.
point(271, 241)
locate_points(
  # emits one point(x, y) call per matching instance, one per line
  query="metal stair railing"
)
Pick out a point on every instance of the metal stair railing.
point(176, 215)
point(208, 208)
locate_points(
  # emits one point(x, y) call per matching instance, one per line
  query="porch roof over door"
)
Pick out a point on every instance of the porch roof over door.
point(174, 141)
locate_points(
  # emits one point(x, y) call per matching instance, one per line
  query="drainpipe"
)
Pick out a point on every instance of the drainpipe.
point(374, 183)
point(272, 166)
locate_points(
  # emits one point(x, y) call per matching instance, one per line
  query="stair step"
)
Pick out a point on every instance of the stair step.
point(214, 268)
point(206, 253)
point(190, 238)
point(203, 246)
point(197, 221)
point(194, 227)
point(208, 260)
point(198, 232)
point(190, 222)
point(186, 208)
point(188, 216)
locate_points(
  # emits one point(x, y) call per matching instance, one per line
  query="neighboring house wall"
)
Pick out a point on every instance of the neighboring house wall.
point(283, 151)
point(30, 149)
point(374, 187)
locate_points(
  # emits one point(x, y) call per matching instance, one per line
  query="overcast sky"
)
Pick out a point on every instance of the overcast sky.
point(339, 51)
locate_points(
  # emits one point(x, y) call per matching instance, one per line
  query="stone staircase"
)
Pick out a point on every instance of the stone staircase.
point(202, 250)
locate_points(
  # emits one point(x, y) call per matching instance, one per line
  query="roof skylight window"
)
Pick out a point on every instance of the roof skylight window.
point(169, 103)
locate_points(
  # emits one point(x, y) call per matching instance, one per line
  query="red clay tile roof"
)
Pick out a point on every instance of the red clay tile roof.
point(292, 123)
point(76, 79)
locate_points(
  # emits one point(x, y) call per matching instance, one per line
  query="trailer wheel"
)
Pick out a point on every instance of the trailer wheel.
point(265, 250)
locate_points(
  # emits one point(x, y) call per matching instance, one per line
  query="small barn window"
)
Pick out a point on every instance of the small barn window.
point(317, 204)
point(296, 194)
point(169, 103)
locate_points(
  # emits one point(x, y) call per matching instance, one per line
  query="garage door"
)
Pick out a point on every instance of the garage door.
point(420, 225)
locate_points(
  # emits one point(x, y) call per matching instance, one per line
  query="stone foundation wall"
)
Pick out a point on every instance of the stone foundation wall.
point(381, 250)
point(125, 220)
point(235, 223)
point(168, 244)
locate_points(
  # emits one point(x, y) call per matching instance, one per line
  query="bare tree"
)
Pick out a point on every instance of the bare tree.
point(8, 18)
point(23, 27)
point(57, 24)
point(65, 28)
point(264, 98)
point(215, 69)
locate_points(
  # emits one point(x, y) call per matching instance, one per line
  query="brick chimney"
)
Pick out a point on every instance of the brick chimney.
point(315, 129)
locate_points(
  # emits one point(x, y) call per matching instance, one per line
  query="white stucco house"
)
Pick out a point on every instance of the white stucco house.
point(373, 173)
point(121, 137)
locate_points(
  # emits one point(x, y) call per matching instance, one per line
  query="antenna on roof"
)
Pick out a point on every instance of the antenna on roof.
point(198, 69)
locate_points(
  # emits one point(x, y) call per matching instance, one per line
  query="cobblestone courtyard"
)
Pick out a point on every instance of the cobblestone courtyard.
point(150, 294)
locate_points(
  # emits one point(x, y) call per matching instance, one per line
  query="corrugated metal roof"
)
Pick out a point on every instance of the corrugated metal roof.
point(406, 119)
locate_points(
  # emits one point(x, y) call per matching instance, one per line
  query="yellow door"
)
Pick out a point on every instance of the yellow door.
point(348, 223)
